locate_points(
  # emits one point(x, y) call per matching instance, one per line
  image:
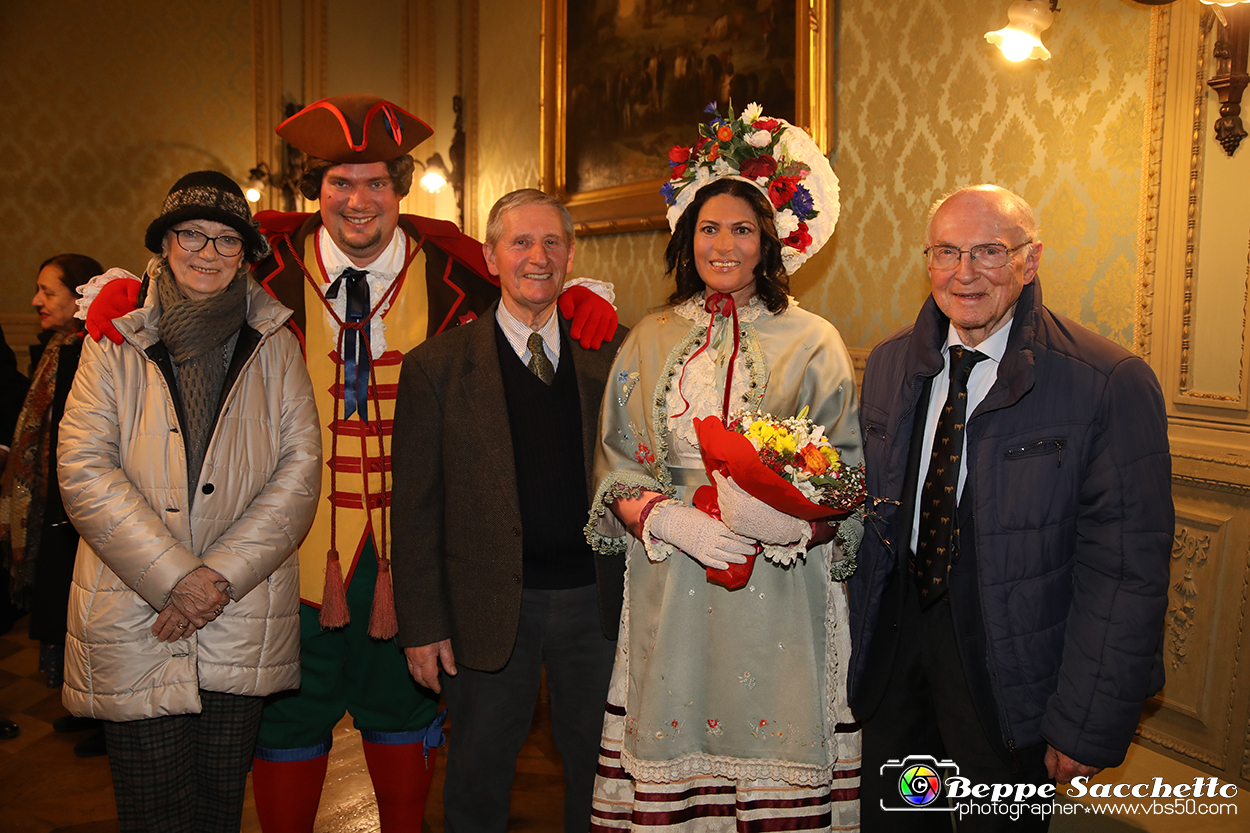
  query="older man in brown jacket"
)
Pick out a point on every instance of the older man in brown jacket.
point(496, 422)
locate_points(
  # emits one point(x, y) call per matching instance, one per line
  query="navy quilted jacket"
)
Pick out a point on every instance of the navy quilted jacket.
point(1069, 498)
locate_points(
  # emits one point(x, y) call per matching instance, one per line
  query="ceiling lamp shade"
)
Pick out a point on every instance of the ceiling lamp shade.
point(1021, 38)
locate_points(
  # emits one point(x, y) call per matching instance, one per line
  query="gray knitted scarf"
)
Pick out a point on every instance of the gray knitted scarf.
point(200, 336)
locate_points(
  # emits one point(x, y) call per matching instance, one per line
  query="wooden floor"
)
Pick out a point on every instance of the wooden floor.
point(45, 789)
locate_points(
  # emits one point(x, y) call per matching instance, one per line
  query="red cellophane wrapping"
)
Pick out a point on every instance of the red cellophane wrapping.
point(732, 455)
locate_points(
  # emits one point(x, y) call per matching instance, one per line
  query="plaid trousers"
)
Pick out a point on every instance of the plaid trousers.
point(185, 773)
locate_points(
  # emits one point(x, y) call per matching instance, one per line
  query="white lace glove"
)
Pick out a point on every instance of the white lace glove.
point(750, 516)
point(699, 535)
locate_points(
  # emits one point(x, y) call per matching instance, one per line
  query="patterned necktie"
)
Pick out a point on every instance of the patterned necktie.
point(939, 497)
point(539, 363)
point(355, 342)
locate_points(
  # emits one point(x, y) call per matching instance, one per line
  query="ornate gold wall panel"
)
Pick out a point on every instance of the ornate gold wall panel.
point(104, 106)
point(1192, 713)
point(1194, 237)
point(1201, 714)
point(1200, 343)
point(1214, 348)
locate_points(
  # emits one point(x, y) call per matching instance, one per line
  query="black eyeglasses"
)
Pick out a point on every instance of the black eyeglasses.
point(227, 245)
point(989, 255)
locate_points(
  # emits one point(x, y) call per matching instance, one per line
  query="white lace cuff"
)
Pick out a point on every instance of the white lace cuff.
point(92, 288)
point(603, 289)
point(657, 548)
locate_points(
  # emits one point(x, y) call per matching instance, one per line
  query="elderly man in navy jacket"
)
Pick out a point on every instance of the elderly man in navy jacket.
point(1007, 612)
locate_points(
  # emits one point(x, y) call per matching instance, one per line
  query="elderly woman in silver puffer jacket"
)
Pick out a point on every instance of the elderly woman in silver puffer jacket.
point(190, 462)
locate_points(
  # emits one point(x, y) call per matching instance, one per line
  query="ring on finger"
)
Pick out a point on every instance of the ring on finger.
point(182, 626)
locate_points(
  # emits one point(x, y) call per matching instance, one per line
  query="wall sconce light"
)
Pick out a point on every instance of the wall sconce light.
point(1229, 80)
point(286, 180)
point(257, 179)
point(438, 174)
point(1021, 38)
point(1232, 47)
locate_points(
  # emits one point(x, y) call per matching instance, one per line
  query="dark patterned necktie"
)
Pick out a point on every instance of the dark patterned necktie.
point(355, 342)
point(939, 496)
point(539, 363)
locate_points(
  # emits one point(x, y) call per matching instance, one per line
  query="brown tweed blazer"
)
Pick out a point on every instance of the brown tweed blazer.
point(456, 516)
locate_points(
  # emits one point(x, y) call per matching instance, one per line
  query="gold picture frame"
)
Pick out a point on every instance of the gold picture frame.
point(638, 206)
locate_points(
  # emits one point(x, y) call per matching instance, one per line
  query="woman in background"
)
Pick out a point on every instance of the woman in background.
point(41, 540)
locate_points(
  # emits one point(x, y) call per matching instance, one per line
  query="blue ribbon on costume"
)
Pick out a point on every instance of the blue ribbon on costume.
point(434, 737)
point(431, 737)
point(355, 342)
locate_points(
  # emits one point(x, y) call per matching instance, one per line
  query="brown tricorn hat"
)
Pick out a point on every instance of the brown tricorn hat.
point(354, 129)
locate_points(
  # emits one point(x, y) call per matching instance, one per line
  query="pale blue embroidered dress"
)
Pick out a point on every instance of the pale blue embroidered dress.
point(723, 698)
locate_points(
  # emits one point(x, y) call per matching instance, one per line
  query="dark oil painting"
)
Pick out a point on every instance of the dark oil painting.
point(641, 72)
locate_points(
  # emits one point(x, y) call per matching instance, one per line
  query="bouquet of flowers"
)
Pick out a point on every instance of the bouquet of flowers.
point(788, 464)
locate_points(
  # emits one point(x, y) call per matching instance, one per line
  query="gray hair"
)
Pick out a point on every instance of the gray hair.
point(517, 199)
point(1013, 204)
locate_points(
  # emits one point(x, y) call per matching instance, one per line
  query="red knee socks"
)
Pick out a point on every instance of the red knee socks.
point(401, 780)
point(287, 793)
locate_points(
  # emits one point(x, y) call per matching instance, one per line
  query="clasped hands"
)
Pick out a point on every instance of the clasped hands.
point(194, 602)
point(719, 543)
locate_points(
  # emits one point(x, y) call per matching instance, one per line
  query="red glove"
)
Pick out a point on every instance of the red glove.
point(594, 319)
point(116, 298)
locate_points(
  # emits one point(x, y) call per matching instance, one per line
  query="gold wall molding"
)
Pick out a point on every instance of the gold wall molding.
point(1197, 165)
point(1180, 747)
point(1151, 183)
point(470, 15)
point(1196, 157)
point(1241, 628)
point(1226, 459)
point(316, 42)
point(418, 76)
point(267, 72)
point(1226, 486)
point(1191, 552)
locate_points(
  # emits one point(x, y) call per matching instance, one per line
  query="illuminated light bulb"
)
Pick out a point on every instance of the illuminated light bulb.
point(1021, 37)
point(1016, 46)
point(433, 181)
point(252, 194)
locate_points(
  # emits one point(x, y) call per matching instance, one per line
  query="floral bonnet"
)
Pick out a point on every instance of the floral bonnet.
point(775, 156)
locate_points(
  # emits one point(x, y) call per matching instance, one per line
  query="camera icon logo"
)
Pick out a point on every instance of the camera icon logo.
point(919, 785)
point(920, 782)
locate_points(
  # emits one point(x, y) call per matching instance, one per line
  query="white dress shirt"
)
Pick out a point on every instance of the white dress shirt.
point(381, 273)
point(518, 335)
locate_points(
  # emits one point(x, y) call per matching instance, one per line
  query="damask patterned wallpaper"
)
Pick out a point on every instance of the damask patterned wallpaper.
point(925, 106)
point(104, 106)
